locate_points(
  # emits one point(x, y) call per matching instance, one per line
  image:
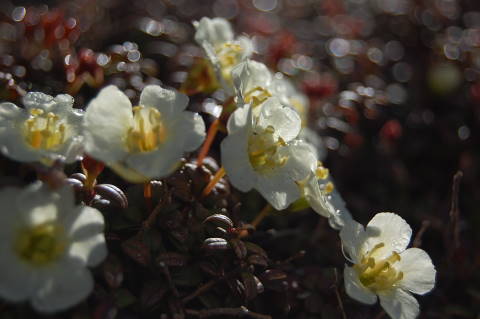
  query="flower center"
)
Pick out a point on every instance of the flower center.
point(257, 96)
point(41, 244)
point(228, 54)
point(378, 275)
point(263, 150)
point(44, 130)
point(148, 131)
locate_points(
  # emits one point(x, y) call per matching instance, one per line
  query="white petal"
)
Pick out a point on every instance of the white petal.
point(214, 31)
point(38, 100)
point(284, 119)
point(316, 198)
point(418, 271)
point(62, 105)
point(389, 229)
point(236, 162)
point(247, 47)
point(84, 227)
point(129, 173)
point(64, 284)
point(278, 188)
point(167, 101)
point(399, 304)
point(352, 235)
point(18, 281)
point(355, 289)
point(9, 113)
point(12, 143)
point(107, 119)
point(164, 160)
point(36, 204)
point(301, 159)
point(193, 127)
point(249, 75)
point(311, 137)
point(241, 119)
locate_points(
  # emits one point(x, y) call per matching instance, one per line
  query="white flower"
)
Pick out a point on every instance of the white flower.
point(46, 130)
point(290, 95)
point(146, 141)
point(383, 266)
point(262, 152)
point(46, 243)
point(254, 83)
point(224, 52)
point(319, 192)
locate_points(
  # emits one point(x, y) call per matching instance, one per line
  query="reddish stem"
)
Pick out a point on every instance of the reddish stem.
point(218, 175)
point(212, 132)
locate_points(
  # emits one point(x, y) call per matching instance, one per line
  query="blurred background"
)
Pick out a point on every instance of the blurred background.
point(394, 91)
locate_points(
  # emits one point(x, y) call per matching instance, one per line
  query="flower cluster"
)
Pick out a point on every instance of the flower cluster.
point(47, 241)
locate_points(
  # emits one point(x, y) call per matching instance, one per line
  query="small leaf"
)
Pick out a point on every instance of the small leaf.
point(124, 298)
point(152, 294)
point(220, 220)
point(113, 271)
point(250, 285)
point(215, 244)
point(255, 249)
point(209, 268)
point(258, 260)
point(112, 193)
point(273, 274)
point(172, 259)
point(238, 247)
point(136, 249)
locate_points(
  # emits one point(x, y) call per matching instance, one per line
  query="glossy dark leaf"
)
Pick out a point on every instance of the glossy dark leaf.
point(255, 249)
point(238, 247)
point(220, 220)
point(136, 249)
point(258, 260)
point(215, 244)
point(249, 285)
point(152, 294)
point(112, 193)
point(172, 259)
point(113, 271)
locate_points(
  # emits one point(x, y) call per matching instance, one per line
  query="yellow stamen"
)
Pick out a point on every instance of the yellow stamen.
point(229, 55)
point(257, 96)
point(322, 172)
point(329, 187)
point(44, 131)
point(263, 150)
point(41, 244)
point(378, 274)
point(148, 131)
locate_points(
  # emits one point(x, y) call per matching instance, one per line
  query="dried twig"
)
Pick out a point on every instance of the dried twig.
point(158, 208)
point(207, 286)
point(166, 272)
point(241, 312)
point(337, 293)
point(417, 242)
point(454, 230)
